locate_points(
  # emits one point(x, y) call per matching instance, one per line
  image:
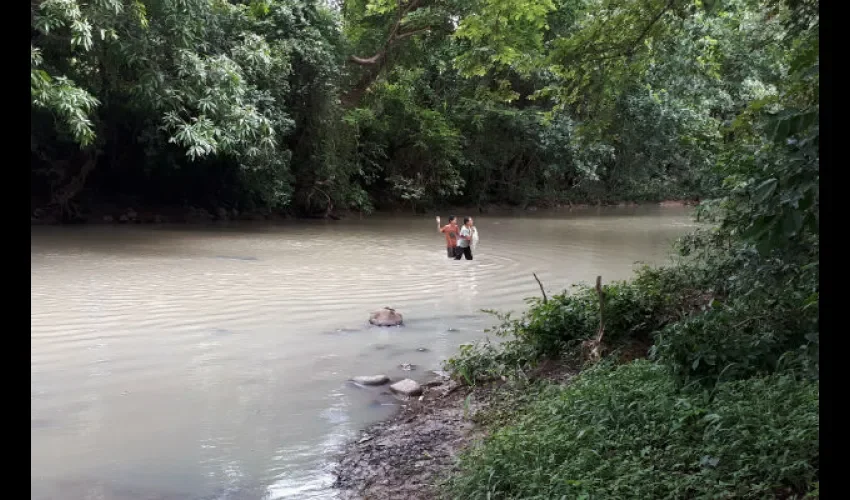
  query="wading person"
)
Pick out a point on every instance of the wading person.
point(451, 231)
point(464, 242)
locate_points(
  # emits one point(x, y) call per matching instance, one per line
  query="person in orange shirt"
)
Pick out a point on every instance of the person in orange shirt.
point(451, 231)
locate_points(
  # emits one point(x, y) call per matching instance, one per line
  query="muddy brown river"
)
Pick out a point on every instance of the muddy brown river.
point(212, 362)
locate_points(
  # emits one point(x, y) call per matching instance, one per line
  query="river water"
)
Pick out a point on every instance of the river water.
point(212, 362)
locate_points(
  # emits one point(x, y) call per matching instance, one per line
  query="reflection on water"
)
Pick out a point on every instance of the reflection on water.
point(211, 363)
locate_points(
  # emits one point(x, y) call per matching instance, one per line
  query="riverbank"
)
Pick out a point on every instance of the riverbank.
point(257, 330)
point(152, 214)
point(408, 455)
point(568, 407)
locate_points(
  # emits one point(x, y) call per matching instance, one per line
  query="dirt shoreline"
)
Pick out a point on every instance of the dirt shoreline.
point(406, 456)
point(113, 214)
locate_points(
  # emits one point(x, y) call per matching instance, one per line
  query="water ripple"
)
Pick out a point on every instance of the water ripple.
point(212, 362)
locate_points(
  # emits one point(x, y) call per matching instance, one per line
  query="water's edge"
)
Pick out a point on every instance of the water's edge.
point(194, 215)
point(192, 362)
point(408, 454)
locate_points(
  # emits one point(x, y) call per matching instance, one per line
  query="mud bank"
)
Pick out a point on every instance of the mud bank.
point(407, 456)
point(121, 214)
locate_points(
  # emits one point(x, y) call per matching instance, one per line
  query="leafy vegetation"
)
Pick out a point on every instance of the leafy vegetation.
point(201, 100)
point(315, 106)
point(629, 432)
point(726, 405)
point(635, 310)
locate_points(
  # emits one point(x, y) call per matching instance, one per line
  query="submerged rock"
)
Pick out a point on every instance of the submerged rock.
point(407, 387)
point(371, 379)
point(386, 317)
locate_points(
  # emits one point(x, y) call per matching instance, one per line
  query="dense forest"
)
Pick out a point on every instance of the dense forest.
point(311, 107)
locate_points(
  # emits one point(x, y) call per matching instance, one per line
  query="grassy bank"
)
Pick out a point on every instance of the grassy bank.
point(629, 432)
point(706, 386)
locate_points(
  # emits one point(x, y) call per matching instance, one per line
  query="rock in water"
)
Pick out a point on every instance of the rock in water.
point(407, 387)
point(386, 317)
point(371, 380)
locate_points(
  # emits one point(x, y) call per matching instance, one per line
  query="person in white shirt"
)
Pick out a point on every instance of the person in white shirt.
point(464, 240)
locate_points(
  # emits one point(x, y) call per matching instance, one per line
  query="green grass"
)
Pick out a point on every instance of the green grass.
point(631, 432)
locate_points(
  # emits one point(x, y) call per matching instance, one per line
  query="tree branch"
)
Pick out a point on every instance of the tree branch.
point(626, 49)
point(652, 23)
point(379, 56)
point(376, 61)
point(407, 34)
point(392, 37)
point(368, 61)
point(601, 331)
point(545, 299)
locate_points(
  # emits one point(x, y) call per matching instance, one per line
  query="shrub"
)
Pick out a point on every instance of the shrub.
point(633, 309)
point(770, 322)
point(483, 361)
point(628, 432)
point(728, 343)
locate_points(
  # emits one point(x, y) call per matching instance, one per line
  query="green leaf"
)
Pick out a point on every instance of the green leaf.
point(792, 222)
point(764, 190)
point(759, 228)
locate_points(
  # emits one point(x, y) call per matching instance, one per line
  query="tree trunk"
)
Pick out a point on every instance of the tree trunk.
point(375, 63)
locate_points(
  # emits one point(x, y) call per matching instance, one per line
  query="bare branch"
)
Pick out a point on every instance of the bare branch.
point(601, 331)
point(379, 56)
point(545, 299)
point(407, 34)
point(377, 60)
point(368, 61)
